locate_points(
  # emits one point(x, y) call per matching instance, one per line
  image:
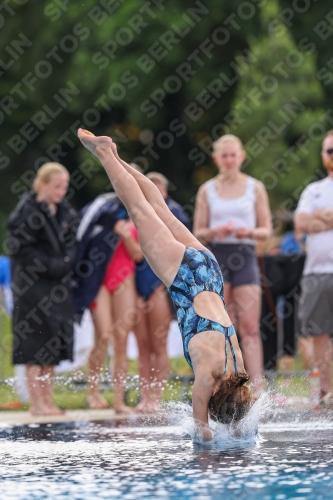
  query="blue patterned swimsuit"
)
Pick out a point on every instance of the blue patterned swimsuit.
point(198, 272)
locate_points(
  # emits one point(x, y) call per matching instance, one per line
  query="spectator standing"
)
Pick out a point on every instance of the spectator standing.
point(293, 245)
point(232, 213)
point(280, 276)
point(314, 217)
point(118, 294)
point(104, 276)
point(42, 246)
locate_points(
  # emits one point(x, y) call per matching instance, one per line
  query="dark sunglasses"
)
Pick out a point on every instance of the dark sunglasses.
point(329, 151)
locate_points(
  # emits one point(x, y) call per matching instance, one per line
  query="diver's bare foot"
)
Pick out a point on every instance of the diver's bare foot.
point(93, 143)
point(123, 409)
point(114, 148)
point(96, 402)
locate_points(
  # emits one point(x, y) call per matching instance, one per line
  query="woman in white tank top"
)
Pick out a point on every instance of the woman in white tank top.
point(232, 213)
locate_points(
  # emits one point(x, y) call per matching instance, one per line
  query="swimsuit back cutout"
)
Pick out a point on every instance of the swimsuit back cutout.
point(198, 272)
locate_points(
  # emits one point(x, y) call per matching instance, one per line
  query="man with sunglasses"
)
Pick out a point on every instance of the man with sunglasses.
point(314, 217)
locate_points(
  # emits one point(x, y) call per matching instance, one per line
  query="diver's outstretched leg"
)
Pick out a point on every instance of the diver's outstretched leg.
point(154, 197)
point(162, 251)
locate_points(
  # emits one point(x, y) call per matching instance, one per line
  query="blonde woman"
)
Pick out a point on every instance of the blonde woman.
point(231, 216)
point(42, 245)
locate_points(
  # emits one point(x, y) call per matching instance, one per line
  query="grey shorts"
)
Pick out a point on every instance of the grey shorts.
point(238, 263)
point(316, 304)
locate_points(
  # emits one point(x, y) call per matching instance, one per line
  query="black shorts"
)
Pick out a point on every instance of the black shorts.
point(238, 263)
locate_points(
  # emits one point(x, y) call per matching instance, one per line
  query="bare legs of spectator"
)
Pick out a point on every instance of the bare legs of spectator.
point(247, 301)
point(47, 388)
point(124, 315)
point(37, 404)
point(101, 315)
point(159, 322)
point(40, 384)
point(285, 363)
point(151, 333)
point(144, 362)
point(305, 350)
point(322, 347)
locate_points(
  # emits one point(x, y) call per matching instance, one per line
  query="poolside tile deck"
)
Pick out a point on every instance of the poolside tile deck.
point(24, 417)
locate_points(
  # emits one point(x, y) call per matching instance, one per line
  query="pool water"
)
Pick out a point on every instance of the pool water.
point(141, 459)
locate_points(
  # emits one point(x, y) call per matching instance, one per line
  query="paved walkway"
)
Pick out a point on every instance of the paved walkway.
point(24, 417)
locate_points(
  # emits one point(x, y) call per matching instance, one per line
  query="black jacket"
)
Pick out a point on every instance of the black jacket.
point(42, 248)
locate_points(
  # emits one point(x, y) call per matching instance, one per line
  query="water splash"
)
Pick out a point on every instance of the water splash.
point(248, 426)
point(240, 434)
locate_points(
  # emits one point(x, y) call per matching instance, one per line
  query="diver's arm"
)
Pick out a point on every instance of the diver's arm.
point(201, 394)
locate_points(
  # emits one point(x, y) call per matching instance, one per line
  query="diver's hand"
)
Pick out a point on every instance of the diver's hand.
point(207, 434)
point(203, 432)
point(238, 433)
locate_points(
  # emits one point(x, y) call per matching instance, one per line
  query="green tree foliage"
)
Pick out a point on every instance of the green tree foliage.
point(278, 111)
point(312, 22)
point(69, 63)
point(159, 76)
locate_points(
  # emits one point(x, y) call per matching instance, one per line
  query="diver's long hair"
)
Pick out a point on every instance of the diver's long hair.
point(232, 401)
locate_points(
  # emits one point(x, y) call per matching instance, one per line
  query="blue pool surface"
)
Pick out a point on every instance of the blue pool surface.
point(139, 460)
